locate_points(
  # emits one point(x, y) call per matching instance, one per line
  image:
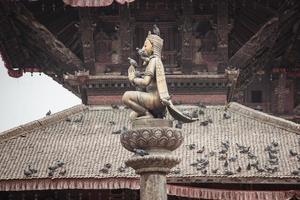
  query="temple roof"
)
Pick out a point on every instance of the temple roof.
point(91, 3)
point(83, 139)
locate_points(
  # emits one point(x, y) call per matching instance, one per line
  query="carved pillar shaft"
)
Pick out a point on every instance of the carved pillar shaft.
point(157, 139)
point(153, 182)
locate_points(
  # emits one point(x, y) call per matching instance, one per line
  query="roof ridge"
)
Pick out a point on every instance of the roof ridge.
point(48, 120)
point(267, 118)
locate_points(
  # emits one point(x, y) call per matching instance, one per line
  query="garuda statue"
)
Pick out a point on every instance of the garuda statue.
point(154, 100)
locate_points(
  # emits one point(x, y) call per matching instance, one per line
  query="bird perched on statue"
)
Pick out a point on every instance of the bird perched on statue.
point(140, 152)
point(156, 30)
point(48, 113)
point(132, 62)
point(144, 56)
point(179, 125)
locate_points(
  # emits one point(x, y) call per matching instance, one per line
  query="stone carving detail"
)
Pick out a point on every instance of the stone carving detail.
point(153, 163)
point(152, 138)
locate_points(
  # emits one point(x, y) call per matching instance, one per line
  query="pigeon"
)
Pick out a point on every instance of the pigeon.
point(233, 159)
point(214, 171)
point(78, 119)
point(51, 173)
point(62, 171)
point(195, 114)
point(176, 170)
point(31, 169)
point(27, 172)
point(223, 151)
point(140, 152)
point(273, 161)
point(53, 167)
point(144, 56)
point(268, 148)
point(201, 105)
point(271, 169)
point(117, 27)
point(156, 30)
point(114, 106)
point(255, 164)
point(60, 163)
point(240, 147)
point(191, 146)
point(179, 125)
point(259, 169)
point(200, 167)
point(186, 113)
point(225, 144)
point(211, 153)
point(204, 171)
point(271, 156)
point(121, 169)
point(48, 113)
point(239, 169)
point(194, 164)
point(228, 172)
point(226, 115)
point(68, 119)
point(201, 112)
point(201, 150)
point(104, 170)
point(204, 123)
point(112, 123)
point(210, 120)
point(275, 144)
point(245, 150)
point(223, 157)
point(292, 153)
point(251, 155)
point(204, 162)
point(295, 172)
point(132, 62)
point(107, 165)
point(117, 132)
point(124, 129)
point(248, 166)
point(226, 163)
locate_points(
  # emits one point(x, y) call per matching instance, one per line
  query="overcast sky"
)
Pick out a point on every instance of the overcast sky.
point(29, 98)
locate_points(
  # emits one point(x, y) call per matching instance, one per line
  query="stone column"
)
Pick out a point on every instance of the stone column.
point(158, 139)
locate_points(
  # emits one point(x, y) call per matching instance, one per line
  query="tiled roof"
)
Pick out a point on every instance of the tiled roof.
point(82, 138)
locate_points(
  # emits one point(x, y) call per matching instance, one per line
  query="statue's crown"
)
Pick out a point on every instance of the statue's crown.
point(157, 43)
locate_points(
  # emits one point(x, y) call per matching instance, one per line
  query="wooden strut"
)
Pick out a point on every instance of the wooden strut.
point(255, 52)
point(42, 40)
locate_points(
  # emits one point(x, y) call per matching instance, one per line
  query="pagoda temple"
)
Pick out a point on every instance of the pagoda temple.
point(243, 153)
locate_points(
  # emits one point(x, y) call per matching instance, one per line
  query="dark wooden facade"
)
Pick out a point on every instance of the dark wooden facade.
point(201, 38)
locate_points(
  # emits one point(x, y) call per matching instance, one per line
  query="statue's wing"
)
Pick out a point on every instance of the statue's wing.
point(176, 114)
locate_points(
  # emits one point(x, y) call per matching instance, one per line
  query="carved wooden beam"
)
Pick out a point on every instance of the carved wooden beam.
point(256, 52)
point(87, 38)
point(37, 40)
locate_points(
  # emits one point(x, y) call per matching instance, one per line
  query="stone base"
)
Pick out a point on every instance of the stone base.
point(153, 163)
point(158, 138)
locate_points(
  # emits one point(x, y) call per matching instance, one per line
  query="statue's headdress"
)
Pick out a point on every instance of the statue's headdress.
point(156, 41)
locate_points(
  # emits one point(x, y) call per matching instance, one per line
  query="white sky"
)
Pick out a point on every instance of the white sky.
point(29, 98)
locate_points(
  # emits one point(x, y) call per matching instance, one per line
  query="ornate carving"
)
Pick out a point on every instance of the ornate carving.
point(152, 138)
point(153, 163)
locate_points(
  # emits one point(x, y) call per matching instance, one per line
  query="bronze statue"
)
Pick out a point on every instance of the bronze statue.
point(155, 99)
